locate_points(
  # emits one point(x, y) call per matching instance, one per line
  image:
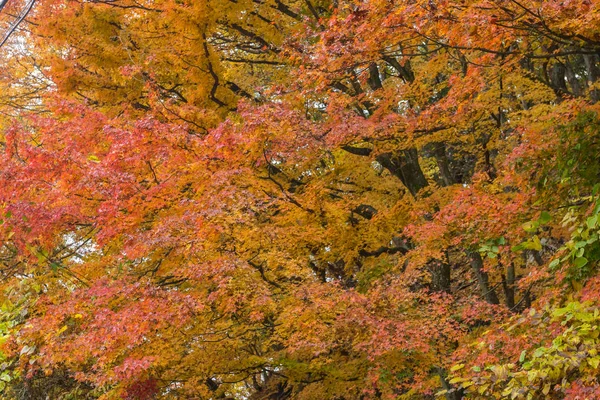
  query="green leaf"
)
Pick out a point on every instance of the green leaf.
point(522, 357)
point(531, 226)
point(580, 262)
point(517, 248)
point(533, 244)
point(544, 218)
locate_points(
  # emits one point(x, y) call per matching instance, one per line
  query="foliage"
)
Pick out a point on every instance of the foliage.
point(305, 199)
point(570, 360)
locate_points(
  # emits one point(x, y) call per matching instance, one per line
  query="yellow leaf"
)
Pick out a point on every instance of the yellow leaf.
point(467, 384)
point(546, 389)
point(457, 367)
point(483, 388)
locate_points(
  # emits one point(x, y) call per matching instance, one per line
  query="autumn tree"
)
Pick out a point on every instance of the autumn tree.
point(300, 199)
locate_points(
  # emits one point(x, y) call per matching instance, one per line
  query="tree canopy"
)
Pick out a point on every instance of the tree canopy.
point(300, 199)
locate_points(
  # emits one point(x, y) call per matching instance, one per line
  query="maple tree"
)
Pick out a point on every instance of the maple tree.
point(308, 199)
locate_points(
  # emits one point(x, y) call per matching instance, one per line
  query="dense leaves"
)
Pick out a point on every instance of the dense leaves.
point(300, 199)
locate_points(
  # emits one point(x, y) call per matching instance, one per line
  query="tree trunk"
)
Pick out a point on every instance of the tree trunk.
point(443, 164)
point(591, 67)
point(405, 166)
point(557, 78)
point(440, 276)
point(576, 87)
point(508, 283)
point(374, 78)
point(487, 292)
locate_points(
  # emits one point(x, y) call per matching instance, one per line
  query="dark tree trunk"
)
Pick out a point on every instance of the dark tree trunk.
point(374, 78)
point(557, 78)
point(405, 166)
point(591, 67)
point(405, 71)
point(443, 164)
point(487, 292)
point(440, 276)
point(576, 87)
point(508, 283)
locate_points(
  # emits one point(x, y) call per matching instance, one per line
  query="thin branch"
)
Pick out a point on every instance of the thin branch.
point(20, 19)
